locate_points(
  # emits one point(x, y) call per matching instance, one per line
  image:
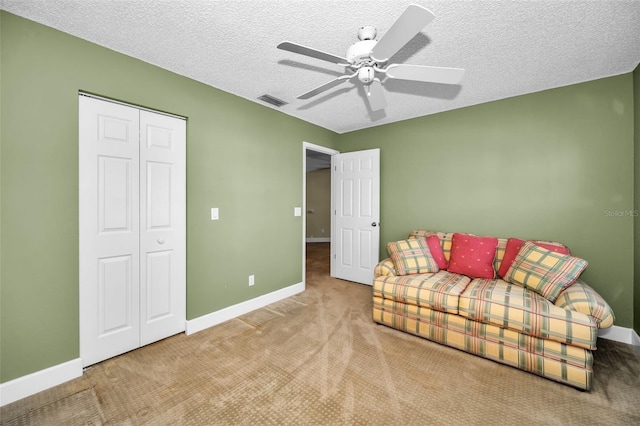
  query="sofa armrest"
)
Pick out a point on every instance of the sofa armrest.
point(384, 268)
point(582, 298)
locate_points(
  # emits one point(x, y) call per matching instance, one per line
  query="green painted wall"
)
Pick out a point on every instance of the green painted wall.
point(553, 165)
point(636, 290)
point(243, 158)
point(556, 164)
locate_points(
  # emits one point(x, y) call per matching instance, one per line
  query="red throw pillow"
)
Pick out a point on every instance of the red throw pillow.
point(436, 251)
point(550, 245)
point(473, 256)
point(513, 247)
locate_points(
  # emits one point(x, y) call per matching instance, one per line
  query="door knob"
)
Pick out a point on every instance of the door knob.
point(374, 224)
point(160, 241)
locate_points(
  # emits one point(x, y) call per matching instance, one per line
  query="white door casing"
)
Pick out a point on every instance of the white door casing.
point(131, 291)
point(356, 197)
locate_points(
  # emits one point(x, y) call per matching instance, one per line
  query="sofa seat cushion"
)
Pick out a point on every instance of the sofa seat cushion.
point(439, 291)
point(493, 301)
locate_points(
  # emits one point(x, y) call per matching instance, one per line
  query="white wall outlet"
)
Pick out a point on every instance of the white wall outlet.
point(214, 213)
point(252, 280)
point(297, 211)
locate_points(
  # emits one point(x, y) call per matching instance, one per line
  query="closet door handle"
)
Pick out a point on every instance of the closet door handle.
point(160, 241)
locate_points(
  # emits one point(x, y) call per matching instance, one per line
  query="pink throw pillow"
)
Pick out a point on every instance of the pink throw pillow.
point(436, 251)
point(473, 256)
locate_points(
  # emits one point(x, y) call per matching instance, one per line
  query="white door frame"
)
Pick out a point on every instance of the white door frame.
point(307, 146)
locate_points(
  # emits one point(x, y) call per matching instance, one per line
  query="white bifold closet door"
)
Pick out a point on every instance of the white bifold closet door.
point(132, 175)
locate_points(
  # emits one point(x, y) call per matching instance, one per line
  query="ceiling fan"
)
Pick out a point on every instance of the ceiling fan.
point(368, 57)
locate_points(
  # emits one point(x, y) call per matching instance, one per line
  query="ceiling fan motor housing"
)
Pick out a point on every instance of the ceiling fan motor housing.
point(359, 52)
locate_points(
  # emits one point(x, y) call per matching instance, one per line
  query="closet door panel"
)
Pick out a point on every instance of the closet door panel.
point(163, 223)
point(109, 229)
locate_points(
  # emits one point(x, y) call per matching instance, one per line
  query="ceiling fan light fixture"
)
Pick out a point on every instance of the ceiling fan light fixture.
point(366, 74)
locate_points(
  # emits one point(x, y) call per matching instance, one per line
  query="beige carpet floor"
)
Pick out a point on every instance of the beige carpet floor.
point(317, 358)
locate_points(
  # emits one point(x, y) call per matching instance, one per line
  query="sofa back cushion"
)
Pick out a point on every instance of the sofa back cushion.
point(500, 252)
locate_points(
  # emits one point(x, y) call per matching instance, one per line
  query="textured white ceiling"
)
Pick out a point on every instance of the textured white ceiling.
point(508, 48)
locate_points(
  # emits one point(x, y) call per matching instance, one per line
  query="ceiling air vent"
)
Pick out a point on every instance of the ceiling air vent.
point(272, 100)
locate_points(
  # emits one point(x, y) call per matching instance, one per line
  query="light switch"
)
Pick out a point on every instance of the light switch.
point(214, 213)
point(297, 211)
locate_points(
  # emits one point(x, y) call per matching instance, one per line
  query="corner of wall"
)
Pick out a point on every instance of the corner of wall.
point(636, 199)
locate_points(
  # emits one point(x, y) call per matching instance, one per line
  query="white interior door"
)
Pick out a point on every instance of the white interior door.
point(132, 228)
point(356, 198)
point(162, 226)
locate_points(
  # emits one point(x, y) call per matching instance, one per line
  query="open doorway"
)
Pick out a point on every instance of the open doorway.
point(354, 212)
point(317, 206)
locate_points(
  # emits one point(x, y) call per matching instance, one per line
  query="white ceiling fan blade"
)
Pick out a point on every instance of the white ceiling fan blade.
point(314, 53)
point(326, 86)
point(375, 95)
point(412, 20)
point(425, 73)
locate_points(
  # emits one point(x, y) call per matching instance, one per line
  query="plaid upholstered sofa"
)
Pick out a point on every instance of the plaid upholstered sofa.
point(520, 303)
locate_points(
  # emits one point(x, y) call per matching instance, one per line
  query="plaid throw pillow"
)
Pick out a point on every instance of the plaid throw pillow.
point(513, 248)
point(412, 256)
point(544, 271)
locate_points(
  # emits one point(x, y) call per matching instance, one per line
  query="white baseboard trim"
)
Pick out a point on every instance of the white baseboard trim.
point(33, 383)
point(620, 334)
point(218, 317)
point(318, 240)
